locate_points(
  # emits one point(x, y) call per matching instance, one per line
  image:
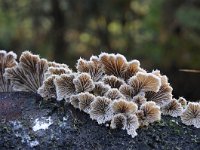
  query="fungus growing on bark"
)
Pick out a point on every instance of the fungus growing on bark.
point(118, 121)
point(101, 110)
point(132, 68)
point(113, 94)
point(144, 82)
point(164, 95)
point(48, 89)
point(182, 101)
point(113, 64)
point(139, 99)
point(85, 99)
point(123, 106)
point(149, 112)
point(173, 108)
point(113, 81)
point(100, 88)
point(57, 71)
point(65, 86)
point(191, 115)
point(83, 83)
point(7, 60)
point(93, 67)
point(74, 100)
point(127, 91)
point(132, 125)
point(28, 75)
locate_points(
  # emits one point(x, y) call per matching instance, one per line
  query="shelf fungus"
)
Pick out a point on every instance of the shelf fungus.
point(48, 88)
point(173, 108)
point(7, 60)
point(113, 81)
point(182, 101)
point(149, 112)
point(93, 67)
point(101, 110)
point(28, 75)
point(123, 106)
point(83, 83)
point(85, 99)
point(113, 94)
point(191, 115)
point(144, 82)
point(65, 86)
point(109, 88)
point(118, 121)
point(164, 95)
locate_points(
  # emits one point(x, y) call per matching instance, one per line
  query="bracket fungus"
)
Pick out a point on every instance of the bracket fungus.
point(191, 115)
point(28, 75)
point(107, 87)
point(173, 108)
point(7, 60)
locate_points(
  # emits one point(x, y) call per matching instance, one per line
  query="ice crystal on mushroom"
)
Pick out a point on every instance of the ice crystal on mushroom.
point(101, 110)
point(28, 75)
point(118, 121)
point(191, 115)
point(48, 89)
point(148, 113)
point(7, 60)
point(145, 82)
point(113, 94)
point(83, 83)
point(113, 81)
point(123, 106)
point(64, 86)
point(164, 95)
point(85, 99)
point(173, 108)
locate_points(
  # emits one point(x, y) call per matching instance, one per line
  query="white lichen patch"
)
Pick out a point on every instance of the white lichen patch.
point(42, 123)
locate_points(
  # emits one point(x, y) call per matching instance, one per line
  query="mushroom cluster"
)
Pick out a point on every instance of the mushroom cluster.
point(110, 89)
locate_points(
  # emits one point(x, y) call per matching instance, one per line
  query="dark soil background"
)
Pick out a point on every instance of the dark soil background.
point(74, 130)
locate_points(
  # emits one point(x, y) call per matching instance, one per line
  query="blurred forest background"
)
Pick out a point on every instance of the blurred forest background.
point(162, 34)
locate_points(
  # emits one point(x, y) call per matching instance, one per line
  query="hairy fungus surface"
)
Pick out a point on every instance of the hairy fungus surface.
point(173, 108)
point(191, 115)
point(28, 75)
point(182, 101)
point(164, 95)
point(83, 83)
point(113, 81)
point(48, 89)
point(118, 121)
point(101, 110)
point(113, 94)
point(100, 89)
point(149, 112)
point(123, 106)
point(145, 82)
point(85, 99)
point(64, 86)
point(7, 60)
point(109, 88)
point(127, 91)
